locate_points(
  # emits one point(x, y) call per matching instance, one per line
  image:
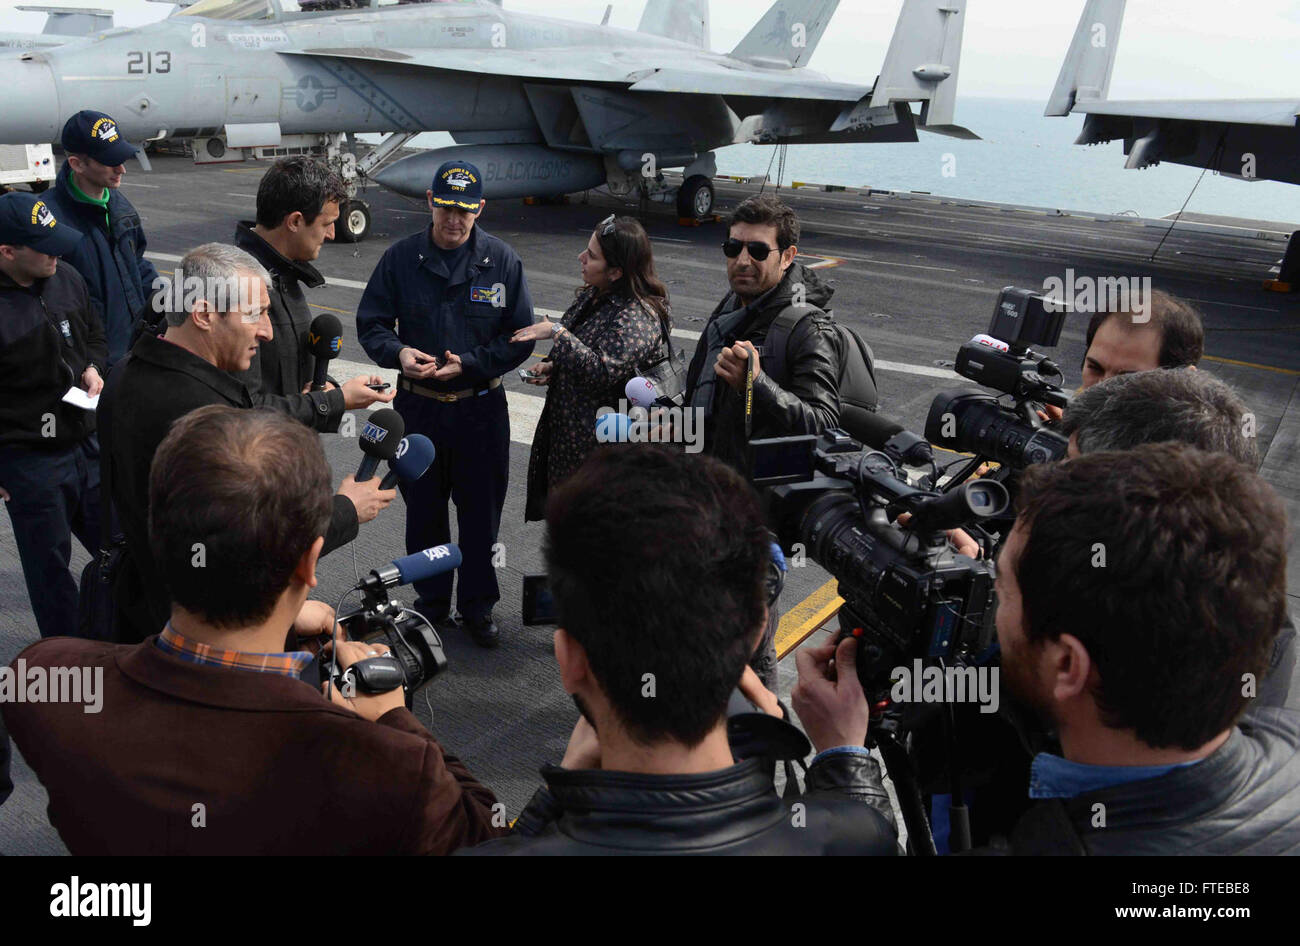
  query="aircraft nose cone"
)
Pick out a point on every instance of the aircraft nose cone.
point(404, 177)
point(30, 113)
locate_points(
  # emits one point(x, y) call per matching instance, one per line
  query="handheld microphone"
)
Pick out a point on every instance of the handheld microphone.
point(379, 440)
point(325, 341)
point(414, 456)
point(612, 428)
point(411, 568)
point(641, 393)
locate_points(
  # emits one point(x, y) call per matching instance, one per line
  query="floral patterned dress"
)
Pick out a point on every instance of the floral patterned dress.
point(609, 340)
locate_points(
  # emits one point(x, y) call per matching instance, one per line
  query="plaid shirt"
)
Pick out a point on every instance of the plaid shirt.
point(290, 664)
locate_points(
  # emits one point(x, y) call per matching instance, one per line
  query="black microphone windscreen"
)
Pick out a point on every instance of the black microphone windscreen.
point(325, 336)
point(382, 434)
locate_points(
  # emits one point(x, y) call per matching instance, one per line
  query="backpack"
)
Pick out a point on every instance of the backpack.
point(857, 377)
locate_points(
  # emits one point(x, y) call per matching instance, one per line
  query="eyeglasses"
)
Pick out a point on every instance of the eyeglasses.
point(607, 226)
point(757, 251)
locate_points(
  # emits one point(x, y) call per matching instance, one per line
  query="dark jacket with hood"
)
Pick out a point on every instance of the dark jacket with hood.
point(121, 282)
point(284, 365)
point(48, 338)
point(805, 401)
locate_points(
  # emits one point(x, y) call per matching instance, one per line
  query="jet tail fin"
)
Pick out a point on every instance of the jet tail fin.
point(788, 34)
point(67, 21)
point(923, 60)
point(684, 20)
point(1091, 59)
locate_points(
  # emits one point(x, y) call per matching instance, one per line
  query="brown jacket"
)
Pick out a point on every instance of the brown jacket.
point(275, 768)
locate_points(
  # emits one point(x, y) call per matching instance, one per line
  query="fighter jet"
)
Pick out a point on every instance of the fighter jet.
point(1251, 139)
point(543, 106)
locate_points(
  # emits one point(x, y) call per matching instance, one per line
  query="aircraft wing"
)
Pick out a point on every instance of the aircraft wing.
point(568, 65)
point(757, 83)
point(1283, 113)
point(639, 71)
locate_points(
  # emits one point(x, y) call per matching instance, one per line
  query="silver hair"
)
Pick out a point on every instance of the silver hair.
point(1169, 404)
point(213, 272)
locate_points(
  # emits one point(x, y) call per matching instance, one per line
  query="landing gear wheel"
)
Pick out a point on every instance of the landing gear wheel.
point(354, 222)
point(695, 199)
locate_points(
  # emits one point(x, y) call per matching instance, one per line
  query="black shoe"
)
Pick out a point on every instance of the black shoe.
point(483, 630)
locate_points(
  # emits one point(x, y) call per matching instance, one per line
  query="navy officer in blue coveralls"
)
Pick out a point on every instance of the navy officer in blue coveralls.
point(442, 305)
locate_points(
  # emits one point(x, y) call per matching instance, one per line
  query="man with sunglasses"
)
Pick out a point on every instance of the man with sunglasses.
point(762, 243)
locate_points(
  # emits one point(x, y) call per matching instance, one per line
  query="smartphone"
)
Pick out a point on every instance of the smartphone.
point(525, 375)
point(379, 387)
point(539, 605)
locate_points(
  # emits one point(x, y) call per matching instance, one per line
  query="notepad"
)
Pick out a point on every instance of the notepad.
point(79, 398)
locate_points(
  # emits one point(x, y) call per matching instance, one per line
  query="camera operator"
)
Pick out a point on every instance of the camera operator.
point(1190, 407)
point(651, 665)
point(208, 742)
point(1116, 343)
point(1148, 668)
point(762, 243)
point(194, 364)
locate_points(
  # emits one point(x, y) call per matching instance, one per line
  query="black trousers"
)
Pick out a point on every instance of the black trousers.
point(55, 495)
point(471, 468)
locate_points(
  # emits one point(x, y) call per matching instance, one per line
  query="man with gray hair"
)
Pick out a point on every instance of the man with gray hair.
point(1191, 407)
point(209, 339)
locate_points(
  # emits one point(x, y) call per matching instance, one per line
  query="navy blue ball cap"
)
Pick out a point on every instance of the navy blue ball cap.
point(26, 220)
point(458, 184)
point(95, 134)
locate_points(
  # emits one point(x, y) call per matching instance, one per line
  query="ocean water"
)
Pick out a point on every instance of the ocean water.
point(1023, 158)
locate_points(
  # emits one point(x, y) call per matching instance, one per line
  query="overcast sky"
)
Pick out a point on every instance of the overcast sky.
point(1012, 49)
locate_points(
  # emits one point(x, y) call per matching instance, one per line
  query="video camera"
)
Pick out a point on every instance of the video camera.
point(907, 594)
point(977, 423)
point(416, 653)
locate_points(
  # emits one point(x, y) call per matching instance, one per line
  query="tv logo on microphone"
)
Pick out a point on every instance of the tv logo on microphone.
point(373, 432)
point(437, 552)
point(336, 343)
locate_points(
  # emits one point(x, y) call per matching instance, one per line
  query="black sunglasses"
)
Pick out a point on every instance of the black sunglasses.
point(757, 251)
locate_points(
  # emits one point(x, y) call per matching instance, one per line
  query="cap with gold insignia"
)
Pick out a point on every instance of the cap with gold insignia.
point(26, 220)
point(95, 134)
point(458, 184)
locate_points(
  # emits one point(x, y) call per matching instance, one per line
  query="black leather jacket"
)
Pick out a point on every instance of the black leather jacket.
point(1242, 799)
point(735, 811)
point(806, 401)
